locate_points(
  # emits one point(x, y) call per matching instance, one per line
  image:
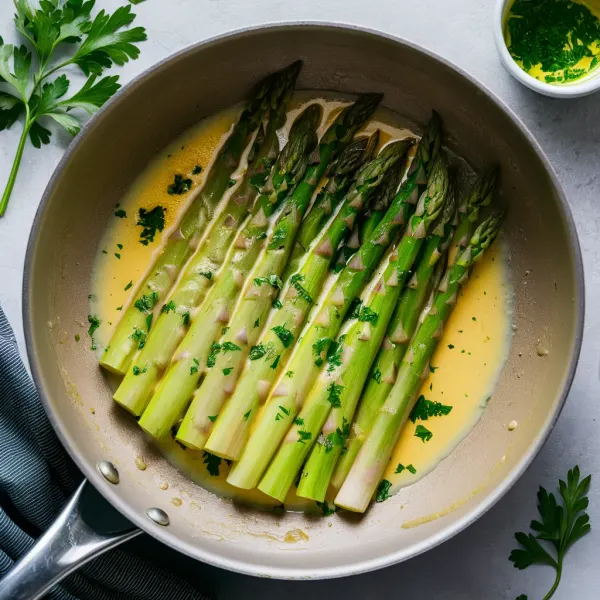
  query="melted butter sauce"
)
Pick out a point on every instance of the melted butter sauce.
point(463, 380)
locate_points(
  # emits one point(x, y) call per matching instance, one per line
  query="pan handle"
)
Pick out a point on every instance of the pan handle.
point(87, 526)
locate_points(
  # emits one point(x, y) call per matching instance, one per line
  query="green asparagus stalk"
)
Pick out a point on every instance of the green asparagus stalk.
point(174, 392)
point(399, 333)
point(138, 385)
point(328, 448)
point(311, 350)
point(270, 100)
point(245, 330)
point(359, 486)
point(382, 202)
point(480, 195)
point(232, 427)
point(341, 174)
point(163, 411)
point(340, 383)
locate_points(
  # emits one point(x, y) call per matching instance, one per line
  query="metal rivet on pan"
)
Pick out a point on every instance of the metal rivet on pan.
point(159, 516)
point(108, 471)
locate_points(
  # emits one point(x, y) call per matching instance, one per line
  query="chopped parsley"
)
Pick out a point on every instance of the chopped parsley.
point(304, 436)
point(432, 368)
point(338, 437)
point(256, 323)
point(197, 170)
point(289, 374)
point(257, 352)
point(231, 183)
point(140, 337)
point(334, 353)
point(298, 421)
point(179, 185)
point(120, 246)
point(77, 337)
point(376, 375)
point(128, 285)
point(169, 307)
point(424, 409)
point(227, 371)
point(94, 324)
point(272, 280)
point(224, 330)
point(367, 315)
point(147, 302)
point(151, 221)
point(317, 348)
point(120, 213)
point(211, 359)
point(137, 371)
point(277, 304)
point(275, 362)
point(118, 255)
point(333, 394)
point(383, 491)
point(194, 367)
point(295, 282)
point(213, 418)
point(230, 347)
point(212, 463)
point(246, 415)
point(286, 337)
point(186, 318)
point(149, 321)
point(423, 433)
point(409, 468)
point(327, 509)
point(207, 274)
point(278, 238)
point(451, 346)
point(284, 410)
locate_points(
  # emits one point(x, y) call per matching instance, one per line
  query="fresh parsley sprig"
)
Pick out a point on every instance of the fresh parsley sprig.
point(561, 525)
point(97, 43)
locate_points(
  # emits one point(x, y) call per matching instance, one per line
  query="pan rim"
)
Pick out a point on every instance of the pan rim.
point(361, 566)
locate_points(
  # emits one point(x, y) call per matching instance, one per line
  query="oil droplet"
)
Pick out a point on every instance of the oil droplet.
point(295, 535)
point(512, 425)
point(164, 486)
point(541, 350)
point(176, 501)
point(140, 463)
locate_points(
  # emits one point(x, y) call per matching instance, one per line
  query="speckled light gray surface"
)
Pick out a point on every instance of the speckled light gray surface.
point(474, 564)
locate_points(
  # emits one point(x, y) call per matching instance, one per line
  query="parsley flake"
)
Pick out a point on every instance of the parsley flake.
point(333, 394)
point(304, 436)
point(197, 170)
point(169, 307)
point(212, 463)
point(376, 375)
point(227, 371)
point(128, 286)
point(179, 186)
point(151, 222)
point(383, 491)
point(423, 433)
point(424, 409)
point(285, 335)
point(147, 302)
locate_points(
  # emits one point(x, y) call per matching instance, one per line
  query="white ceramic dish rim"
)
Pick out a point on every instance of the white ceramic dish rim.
point(587, 86)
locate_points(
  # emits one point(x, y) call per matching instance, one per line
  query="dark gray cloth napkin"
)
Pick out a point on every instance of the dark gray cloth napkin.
point(37, 477)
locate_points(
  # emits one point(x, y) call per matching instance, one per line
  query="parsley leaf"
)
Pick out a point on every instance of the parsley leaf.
point(304, 436)
point(367, 315)
point(383, 491)
point(317, 349)
point(295, 282)
point(197, 170)
point(151, 221)
point(227, 371)
point(285, 335)
point(169, 307)
point(423, 433)
point(146, 302)
point(212, 463)
point(272, 280)
point(561, 525)
point(333, 394)
point(211, 359)
point(140, 337)
point(327, 509)
point(334, 353)
point(230, 347)
point(257, 352)
point(423, 409)
point(377, 376)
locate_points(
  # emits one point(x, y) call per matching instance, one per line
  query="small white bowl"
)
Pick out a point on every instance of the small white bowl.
point(583, 87)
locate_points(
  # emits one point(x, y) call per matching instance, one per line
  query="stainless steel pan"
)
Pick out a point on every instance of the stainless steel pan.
point(115, 147)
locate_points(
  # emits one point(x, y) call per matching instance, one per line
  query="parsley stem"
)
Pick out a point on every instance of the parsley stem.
point(17, 161)
point(556, 580)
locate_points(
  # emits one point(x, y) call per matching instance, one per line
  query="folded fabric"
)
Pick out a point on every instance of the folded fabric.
point(37, 476)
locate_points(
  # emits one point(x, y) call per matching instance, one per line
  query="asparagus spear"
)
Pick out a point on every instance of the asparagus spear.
point(357, 490)
point(323, 458)
point(341, 174)
point(479, 195)
point(138, 385)
point(340, 383)
point(405, 321)
point(271, 98)
point(382, 201)
point(175, 390)
point(310, 353)
point(163, 411)
point(244, 332)
point(231, 429)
